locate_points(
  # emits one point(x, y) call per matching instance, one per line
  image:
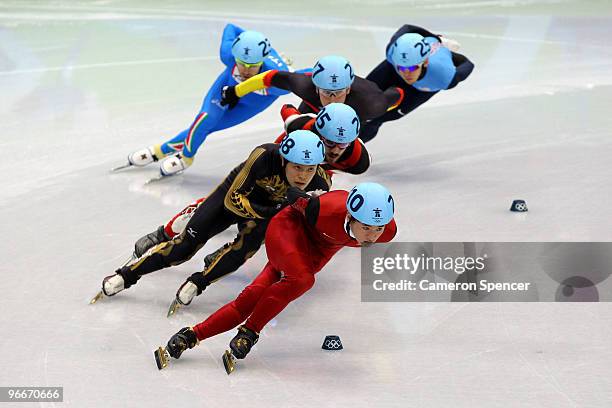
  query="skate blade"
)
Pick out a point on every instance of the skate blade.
point(174, 307)
point(229, 362)
point(123, 166)
point(99, 296)
point(155, 179)
point(161, 358)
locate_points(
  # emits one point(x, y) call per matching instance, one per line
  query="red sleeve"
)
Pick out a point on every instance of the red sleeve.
point(352, 160)
point(399, 100)
point(267, 80)
point(289, 110)
point(280, 137)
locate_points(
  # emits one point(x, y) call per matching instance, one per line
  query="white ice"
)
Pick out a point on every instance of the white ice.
point(84, 83)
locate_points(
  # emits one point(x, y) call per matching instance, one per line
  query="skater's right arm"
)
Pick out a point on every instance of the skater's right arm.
point(289, 81)
point(408, 28)
point(230, 33)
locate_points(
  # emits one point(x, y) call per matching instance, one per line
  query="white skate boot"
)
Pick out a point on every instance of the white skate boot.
point(174, 164)
point(184, 296)
point(142, 157)
point(111, 285)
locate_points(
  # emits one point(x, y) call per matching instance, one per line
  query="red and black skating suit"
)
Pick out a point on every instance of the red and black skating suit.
point(300, 240)
point(354, 160)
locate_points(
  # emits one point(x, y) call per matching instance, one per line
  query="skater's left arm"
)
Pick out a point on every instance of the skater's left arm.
point(357, 159)
point(308, 206)
point(230, 33)
point(464, 68)
point(371, 102)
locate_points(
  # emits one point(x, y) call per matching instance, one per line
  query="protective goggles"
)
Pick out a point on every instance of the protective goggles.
point(331, 144)
point(247, 65)
point(332, 94)
point(411, 68)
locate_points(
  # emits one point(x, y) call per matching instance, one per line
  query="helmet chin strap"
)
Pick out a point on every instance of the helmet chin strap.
point(347, 226)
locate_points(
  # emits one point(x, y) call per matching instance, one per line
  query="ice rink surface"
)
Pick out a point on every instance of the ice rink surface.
point(84, 83)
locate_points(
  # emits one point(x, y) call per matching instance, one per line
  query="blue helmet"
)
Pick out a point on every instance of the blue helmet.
point(370, 204)
point(408, 50)
point(338, 122)
point(302, 147)
point(251, 47)
point(332, 73)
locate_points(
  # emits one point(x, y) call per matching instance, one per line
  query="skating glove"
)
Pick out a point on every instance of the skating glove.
point(293, 193)
point(229, 97)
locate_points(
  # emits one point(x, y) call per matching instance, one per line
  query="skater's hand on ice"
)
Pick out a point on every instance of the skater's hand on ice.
point(229, 97)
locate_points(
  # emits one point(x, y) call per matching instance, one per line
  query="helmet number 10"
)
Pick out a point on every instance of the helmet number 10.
point(355, 200)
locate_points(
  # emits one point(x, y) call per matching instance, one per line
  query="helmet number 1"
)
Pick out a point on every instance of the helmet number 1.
point(355, 200)
point(321, 118)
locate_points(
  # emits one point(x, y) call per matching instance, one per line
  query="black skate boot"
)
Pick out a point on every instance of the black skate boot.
point(181, 341)
point(149, 241)
point(242, 342)
point(240, 345)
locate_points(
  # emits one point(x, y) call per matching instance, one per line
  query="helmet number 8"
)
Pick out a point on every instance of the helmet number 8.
point(288, 145)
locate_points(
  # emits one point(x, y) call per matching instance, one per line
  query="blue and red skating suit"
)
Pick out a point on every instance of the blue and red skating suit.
point(300, 241)
point(213, 117)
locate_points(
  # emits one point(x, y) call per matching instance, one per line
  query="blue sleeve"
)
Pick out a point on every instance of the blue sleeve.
point(225, 50)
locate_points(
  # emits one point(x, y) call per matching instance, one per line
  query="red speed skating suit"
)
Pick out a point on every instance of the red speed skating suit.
point(300, 240)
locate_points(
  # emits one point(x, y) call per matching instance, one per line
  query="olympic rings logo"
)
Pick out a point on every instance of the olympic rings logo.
point(333, 344)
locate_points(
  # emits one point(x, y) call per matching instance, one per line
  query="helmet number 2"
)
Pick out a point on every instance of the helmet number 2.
point(423, 47)
point(265, 44)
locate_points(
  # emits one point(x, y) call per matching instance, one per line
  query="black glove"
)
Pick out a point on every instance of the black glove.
point(229, 97)
point(181, 341)
point(293, 193)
